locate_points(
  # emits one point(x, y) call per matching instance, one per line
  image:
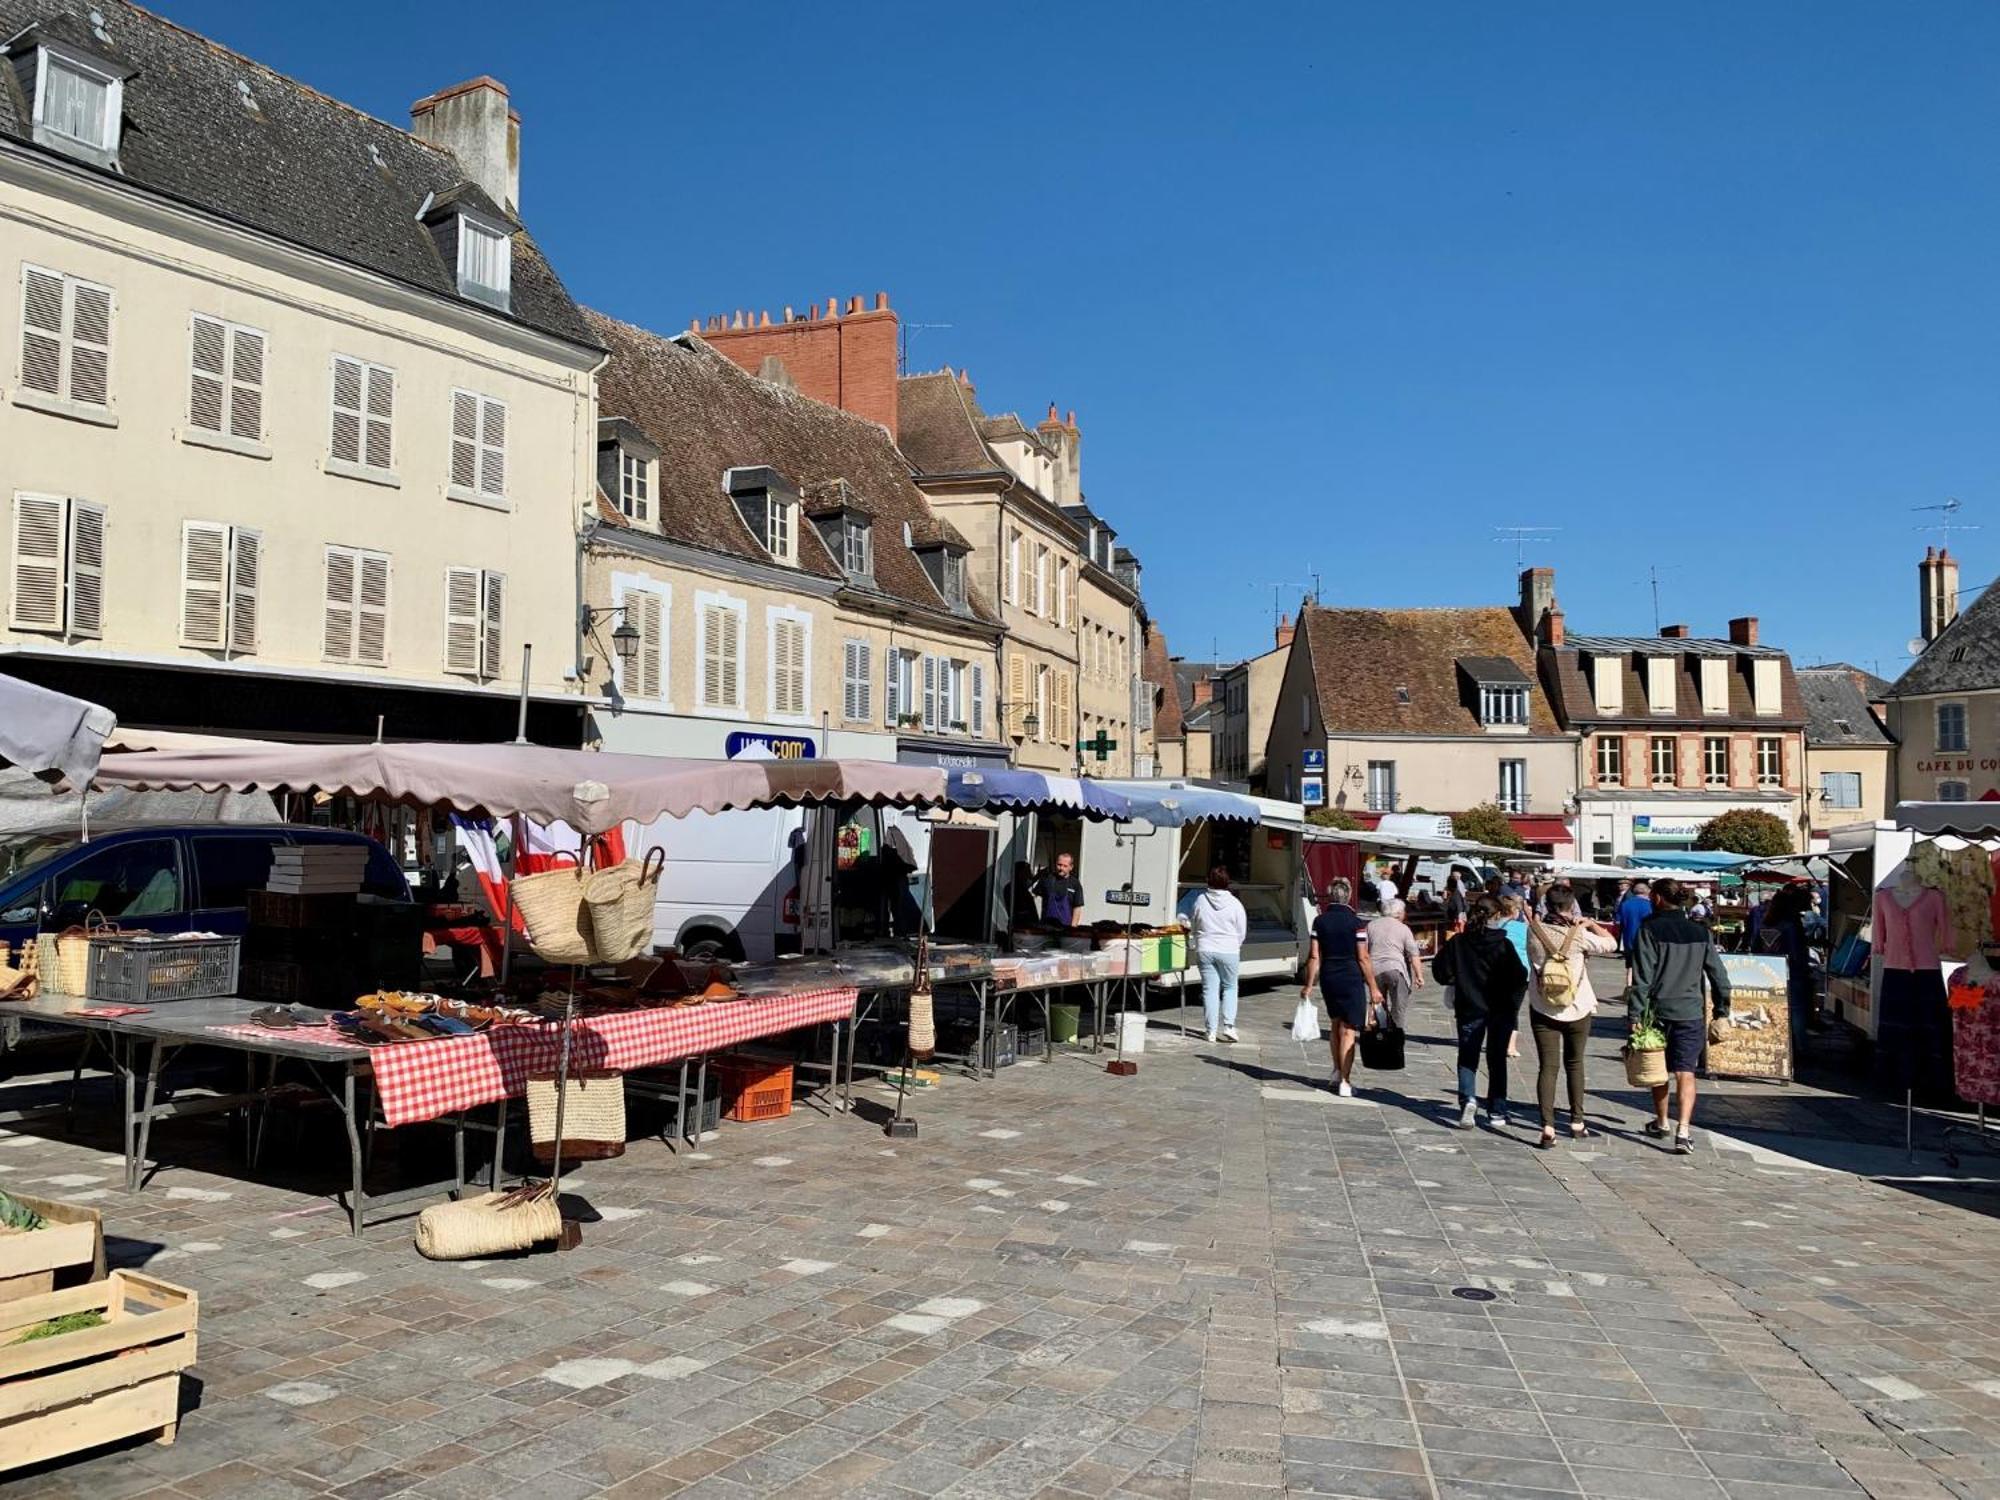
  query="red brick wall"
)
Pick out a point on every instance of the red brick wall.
point(846, 359)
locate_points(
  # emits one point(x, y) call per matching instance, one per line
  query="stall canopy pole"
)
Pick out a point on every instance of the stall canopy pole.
point(521, 723)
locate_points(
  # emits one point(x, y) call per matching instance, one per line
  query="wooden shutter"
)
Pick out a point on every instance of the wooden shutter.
point(1065, 708)
point(246, 384)
point(492, 448)
point(853, 681)
point(246, 561)
point(208, 373)
point(464, 440)
point(205, 585)
point(711, 656)
point(492, 633)
point(337, 634)
point(976, 719)
point(461, 621)
point(41, 331)
point(89, 344)
point(349, 376)
point(371, 614)
point(930, 710)
point(732, 658)
point(788, 666)
point(39, 538)
point(377, 449)
point(652, 646)
point(1017, 685)
point(892, 685)
point(86, 569)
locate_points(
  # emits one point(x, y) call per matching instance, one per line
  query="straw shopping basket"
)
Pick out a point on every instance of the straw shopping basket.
point(620, 898)
point(551, 904)
point(488, 1225)
point(1645, 1067)
point(593, 1115)
point(64, 959)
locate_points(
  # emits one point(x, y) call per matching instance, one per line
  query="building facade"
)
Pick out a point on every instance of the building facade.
point(289, 462)
point(1850, 759)
point(1944, 711)
point(1247, 695)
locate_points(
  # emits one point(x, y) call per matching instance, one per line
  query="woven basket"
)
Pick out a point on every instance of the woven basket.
point(593, 1115)
point(477, 1227)
point(923, 1022)
point(72, 959)
point(1645, 1068)
point(621, 898)
point(551, 904)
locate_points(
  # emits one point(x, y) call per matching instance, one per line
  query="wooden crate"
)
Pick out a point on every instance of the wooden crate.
point(70, 1249)
point(81, 1390)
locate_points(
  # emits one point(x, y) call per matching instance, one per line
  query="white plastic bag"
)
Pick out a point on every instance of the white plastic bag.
point(1305, 1022)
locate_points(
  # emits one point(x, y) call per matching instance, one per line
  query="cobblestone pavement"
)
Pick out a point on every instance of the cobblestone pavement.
point(1211, 1279)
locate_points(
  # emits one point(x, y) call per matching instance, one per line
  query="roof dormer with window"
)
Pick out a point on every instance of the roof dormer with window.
point(628, 471)
point(75, 88)
point(944, 562)
point(846, 528)
point(769, 506)
point(475, 236)
point(1500, 689)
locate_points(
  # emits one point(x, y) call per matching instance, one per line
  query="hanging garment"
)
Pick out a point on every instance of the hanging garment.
point(1912, 937)
point(1968, 893)
point(1975, 1052)
point(1913, 1043)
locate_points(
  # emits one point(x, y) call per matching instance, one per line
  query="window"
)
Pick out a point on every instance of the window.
point(1714, 685)
point(364, 408)
point(900, 680)
point(856, 681)
point(475, 606)
point(1715, 760)
point(1954, 791)
point(478, 447)
point(781, 530)
point(58, 566)
point(1951, 726)
point(944, 694)
point(1381, 786)
point(635, 486)
point(1840, 788)
point(1764, 685)
point(485, 262)
point(857, 546)
point(1770, 760)
point(1041, 581)
point(645, 602)
point(356, 622)
point(1013, 567)
point(953, 564)
point(65, 338)
point(77, 103)
point(1502, 703)
point(789, 642)
point(1660, 696)
point(225, 379)
point(126, 880)
point(1513, 794)
point(1663, 760)
point(219, 570)
point(720, 648)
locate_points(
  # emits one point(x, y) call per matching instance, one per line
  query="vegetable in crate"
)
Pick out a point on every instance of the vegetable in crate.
point(16, 1215)
point(51, 1328)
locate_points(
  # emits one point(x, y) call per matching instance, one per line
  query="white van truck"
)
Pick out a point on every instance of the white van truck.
point(730, 885)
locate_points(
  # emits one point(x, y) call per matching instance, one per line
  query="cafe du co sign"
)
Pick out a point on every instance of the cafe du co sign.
point(777, 746)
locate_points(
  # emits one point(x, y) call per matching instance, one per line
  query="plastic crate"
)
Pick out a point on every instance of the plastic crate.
point(753, 1088)
point(1003, 1044)
point(136, 970)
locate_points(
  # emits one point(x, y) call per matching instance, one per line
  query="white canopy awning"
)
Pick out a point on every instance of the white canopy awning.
point(1421, 844)
point(51, 734)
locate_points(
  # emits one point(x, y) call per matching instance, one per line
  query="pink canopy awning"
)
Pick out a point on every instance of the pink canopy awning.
point(590, 791)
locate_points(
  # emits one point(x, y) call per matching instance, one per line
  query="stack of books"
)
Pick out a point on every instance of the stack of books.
point(318, 869)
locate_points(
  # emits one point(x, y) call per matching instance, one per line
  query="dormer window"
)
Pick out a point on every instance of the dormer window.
point(635, 486)
point(945, 563)
point(857, 547)
point(1502, 690)
point(769, 506)
point(1502, 704)
point(781, 530)
point(78, 93)
point(628, 470)
point(485, 262)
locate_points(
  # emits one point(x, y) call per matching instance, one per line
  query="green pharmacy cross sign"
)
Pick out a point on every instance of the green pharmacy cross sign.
point(1101, 746)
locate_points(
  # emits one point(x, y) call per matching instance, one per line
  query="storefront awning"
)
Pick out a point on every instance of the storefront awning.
point(1028, 791)
point(1541, 830)
point(1169, 805)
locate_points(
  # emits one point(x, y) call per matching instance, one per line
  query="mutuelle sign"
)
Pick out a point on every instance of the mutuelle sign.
point(777, 746)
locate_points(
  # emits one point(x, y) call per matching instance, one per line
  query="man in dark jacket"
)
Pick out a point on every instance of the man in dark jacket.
point(1673, 957)
point(1487, 980)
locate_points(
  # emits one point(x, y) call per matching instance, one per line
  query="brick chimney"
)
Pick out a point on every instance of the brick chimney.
point(845, 357)
point(1538, 597)
point(1937, 592)
point(1552, 626)
point(1062, 435)
point(1743, 630)
point(473, 122)
point(1285, 631)
point(1673, 632)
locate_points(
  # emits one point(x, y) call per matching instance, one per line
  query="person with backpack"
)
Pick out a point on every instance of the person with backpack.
point(1561, 1003)
point(1487, 979)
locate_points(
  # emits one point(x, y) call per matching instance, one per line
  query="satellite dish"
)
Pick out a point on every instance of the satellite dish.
point(1915, 645)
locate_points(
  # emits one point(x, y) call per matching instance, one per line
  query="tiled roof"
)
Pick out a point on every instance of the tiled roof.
point(1873, 688)
point(1395, 671)
point(1158, 669)
point(299, 166)
point(937, 425)
point(1837, 711)
point(707, 415)
point(1568, 683)
point(1965, 658)
point(1663, 645)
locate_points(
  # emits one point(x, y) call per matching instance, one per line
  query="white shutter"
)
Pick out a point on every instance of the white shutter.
point(337, 635)
point(349, 376)
point(461, 621)
point(245, 569)
point(732, 658)
point(976, 720)
point(377, 449)
point(246, 384)
point(788, 666)
point(711, 656)
point(930, 691)
point(86, 569)
point(492, 448)
point(464, 440)
point(371, 615)
point(208, 373)
point(204, 585)
point(41, 331)
point(892, 687)
point(89, 344)
point(492, 634)
point(39, 538)
point(649, 664)
point(850, 681)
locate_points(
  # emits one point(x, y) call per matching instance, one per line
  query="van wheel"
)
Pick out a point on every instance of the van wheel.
point(706, 945)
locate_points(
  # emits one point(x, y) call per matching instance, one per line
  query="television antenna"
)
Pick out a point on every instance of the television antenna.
point(1279, 588)
point(1947, 521)
point(904, 332)
point(1521, 536)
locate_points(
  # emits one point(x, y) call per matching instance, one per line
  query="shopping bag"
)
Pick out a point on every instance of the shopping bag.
point(1305, 1022)
point(1382, 1044)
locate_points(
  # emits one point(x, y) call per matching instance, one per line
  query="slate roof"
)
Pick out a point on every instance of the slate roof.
point(1837, 711)
point(937, 426)
point(1363, 658)
point(1498, 671)
point(1663, 645)
point(1568, 683)
point(1965, 658)
point(300, 167)
point(707, 415)
point(1873, 688)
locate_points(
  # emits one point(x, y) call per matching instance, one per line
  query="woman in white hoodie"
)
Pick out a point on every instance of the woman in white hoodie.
point(1218, 924)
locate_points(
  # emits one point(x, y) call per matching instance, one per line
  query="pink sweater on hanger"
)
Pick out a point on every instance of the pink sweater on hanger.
point(1912, 938)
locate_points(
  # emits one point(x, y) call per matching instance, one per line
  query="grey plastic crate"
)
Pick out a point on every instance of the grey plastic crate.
point(135, 970)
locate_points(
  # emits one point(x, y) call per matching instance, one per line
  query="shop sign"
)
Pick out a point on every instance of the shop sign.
point(1312, 790)
point(950, 760)
point(1947, 765)
point(1650, 830)
point(777, 746)
point(1315, 760)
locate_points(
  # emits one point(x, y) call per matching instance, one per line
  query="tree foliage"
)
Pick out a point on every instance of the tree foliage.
point(1485, 824)
point(1746, 830)
point(1333, 817)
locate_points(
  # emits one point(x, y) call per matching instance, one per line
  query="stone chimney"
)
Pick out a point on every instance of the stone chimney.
point(843, 355)
point(1201, 690)
point(1937, 592)
point(1538, 597)
point(1285, 631)
point(1743, 630)
point(1673, 632)
point(1552, 626)
point(1061, 434)
point(472, 121)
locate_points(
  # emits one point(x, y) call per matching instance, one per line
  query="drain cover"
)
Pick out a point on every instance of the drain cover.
point(1472, 1293)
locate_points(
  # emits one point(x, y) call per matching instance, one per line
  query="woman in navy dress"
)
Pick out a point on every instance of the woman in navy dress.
point(1339, 962)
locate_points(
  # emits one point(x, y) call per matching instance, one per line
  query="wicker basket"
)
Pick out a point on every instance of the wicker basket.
point(621, 898)
point(71, 971)
point(551, 904)
point(1645, 1067)
point(487, 1225)
point(593, 1115)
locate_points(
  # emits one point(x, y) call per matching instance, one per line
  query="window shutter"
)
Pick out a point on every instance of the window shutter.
point(246, 559)
point(378, 452)
point(464, 440)
point(1017, 687)
point(348, 378)
point(492, 635)
point(246, 384)
point(207, 374)
point(41, 331)
point(732, 658)
point(204, 584)
point(337, 634)
point(850, 681)
point(1063, 708)
point(892, 686)
point(461, 621)
point(38, 562)
point(86, 569)
point(89, 344)
point(371, 615)
point(977, 718)
point(788, 667)
point(493, 448)
point(711, 656)
point(930, 692)
point(648, 664)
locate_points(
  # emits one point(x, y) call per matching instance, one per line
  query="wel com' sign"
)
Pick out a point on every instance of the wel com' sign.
point(776, 746)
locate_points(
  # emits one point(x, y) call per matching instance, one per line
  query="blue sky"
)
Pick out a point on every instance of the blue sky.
point(1335, 289)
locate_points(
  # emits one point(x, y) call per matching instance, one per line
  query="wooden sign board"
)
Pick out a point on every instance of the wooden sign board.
point(1759, 1043)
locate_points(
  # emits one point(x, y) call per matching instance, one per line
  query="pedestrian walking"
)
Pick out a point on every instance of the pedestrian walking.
point(1516, 928)
point(1339, 962)
point(1218, 925)
point(1455, 904)
point(1397, 961)
point(1633, 908)
point(1673, 957)
point(1487, 980)
point(1561, 1003)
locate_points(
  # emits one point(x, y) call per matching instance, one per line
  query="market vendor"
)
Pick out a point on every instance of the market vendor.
point(1061, 893)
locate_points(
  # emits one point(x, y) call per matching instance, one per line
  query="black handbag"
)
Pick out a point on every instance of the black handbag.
point(1382, 1047)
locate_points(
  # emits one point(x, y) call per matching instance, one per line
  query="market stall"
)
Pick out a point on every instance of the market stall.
point(1422, 861)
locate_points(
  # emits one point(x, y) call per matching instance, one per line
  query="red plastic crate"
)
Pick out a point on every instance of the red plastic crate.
point(753, 1088)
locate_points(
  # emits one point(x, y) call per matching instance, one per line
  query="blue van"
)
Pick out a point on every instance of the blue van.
point(170, 878)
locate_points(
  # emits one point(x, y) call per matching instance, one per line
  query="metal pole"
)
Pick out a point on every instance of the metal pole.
point(507, 912)
point(521, 724)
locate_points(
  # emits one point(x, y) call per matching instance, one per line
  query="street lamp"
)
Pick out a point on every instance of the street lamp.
point(1031, 724)
point(625, 637)
point(625, 643)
